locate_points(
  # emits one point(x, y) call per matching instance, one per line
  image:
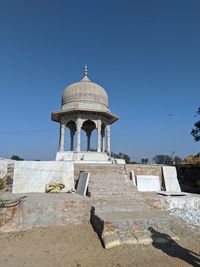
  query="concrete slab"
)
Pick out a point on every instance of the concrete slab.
point(148, 183)
point(119, 161)
point(32, 176)
point(83, 183)
point(170, 179)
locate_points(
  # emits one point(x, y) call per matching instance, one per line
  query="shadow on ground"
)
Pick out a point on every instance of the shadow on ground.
point(173, 249)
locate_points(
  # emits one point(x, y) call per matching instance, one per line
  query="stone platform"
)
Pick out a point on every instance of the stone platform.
point(84, 157)
point(118, 213)
point(117, 220)
point(43, 210)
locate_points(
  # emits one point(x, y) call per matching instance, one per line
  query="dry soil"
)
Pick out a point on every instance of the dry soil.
point(79, 246)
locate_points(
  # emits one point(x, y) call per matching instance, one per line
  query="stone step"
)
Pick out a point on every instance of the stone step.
point(132, 224)
point(105, 178)
point(117, 193)
point(112, 187)
point(108, 185)
point(113, 192)
point(112, 183)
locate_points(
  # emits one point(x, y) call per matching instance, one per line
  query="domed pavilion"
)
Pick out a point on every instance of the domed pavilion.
point(84, 107)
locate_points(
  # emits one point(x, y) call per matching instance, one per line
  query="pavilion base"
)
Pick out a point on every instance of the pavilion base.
point(84, 157)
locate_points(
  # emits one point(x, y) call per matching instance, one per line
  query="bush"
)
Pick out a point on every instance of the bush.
point(16, 157)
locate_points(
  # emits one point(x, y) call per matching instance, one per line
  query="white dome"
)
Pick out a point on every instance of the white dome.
point(85, 95)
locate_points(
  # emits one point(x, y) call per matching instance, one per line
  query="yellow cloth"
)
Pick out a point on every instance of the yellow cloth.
point(54, 187)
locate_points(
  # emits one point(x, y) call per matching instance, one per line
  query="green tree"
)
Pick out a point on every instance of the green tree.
point(167, 160)
point(163, 159)
point(16, 157)
point(177, 160)
point(196, 130)
point(144, 160)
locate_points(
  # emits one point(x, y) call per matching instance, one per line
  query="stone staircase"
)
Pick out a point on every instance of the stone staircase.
point(123, 220)
point(110, 184)
point(107, 180)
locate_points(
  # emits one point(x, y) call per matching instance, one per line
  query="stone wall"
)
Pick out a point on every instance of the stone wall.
point(96, 169)
point(6, 174)
point(142, 169)
point(3, 166)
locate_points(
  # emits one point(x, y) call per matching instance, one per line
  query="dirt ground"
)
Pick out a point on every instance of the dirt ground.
point(79, 246)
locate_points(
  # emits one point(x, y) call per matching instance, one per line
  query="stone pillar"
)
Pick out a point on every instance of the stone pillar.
point(103, 142)
point(88, 140)
point(78, 127)
point(108, 139)
point(62, 137)
point(98, 136)
point(72, 133)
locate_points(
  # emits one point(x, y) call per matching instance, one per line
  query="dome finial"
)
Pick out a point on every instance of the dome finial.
point(86, 71)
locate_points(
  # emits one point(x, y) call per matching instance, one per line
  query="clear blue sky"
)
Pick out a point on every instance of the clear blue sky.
point(145, 53)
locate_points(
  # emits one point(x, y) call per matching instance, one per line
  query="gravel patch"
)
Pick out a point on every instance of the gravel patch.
point(190, 216)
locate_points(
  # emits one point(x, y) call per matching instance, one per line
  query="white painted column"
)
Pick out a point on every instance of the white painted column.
point(103, 143)
point(108, 138)
point(78, 127)
point(98, 136)
point(62, 137)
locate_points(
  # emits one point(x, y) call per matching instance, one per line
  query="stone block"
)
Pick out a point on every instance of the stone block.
point(170, 179)
point(111, 240)
point(148, 183)
point(143, 238)
point(32, 176)
point(127, 238)
point(83, 183)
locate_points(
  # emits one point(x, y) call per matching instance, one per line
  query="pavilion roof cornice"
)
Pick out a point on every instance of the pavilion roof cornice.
point(56, 115)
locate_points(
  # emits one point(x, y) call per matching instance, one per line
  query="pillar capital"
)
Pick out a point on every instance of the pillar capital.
point(99, 125)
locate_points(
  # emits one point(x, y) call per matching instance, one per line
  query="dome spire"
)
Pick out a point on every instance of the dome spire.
point(85, 78)
point(86, 71)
